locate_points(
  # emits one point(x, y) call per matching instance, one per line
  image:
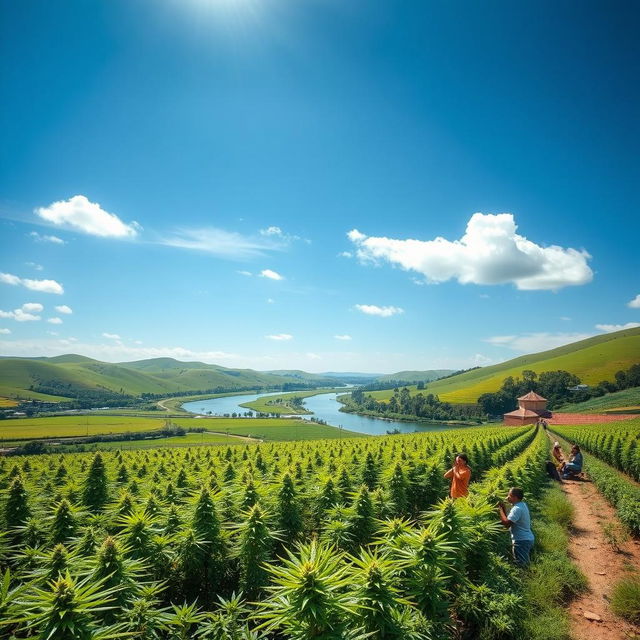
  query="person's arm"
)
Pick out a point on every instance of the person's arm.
point(503, 516)
point(449, 473)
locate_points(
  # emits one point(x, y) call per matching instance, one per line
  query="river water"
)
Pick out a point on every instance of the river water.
point(324, 407)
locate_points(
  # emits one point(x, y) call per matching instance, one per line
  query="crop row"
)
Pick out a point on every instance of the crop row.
point(622, 492)
point(143, 532)
point(617, 443)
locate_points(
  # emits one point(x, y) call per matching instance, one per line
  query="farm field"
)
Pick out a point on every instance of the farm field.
point(83, 425)
point(161, 535)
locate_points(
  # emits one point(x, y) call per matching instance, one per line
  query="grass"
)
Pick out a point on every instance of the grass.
point(267, 404)
point(592, 360)
point(627, 399)
point(82, 425)
point(625, 598)
point(190, 440)
point(552, 578)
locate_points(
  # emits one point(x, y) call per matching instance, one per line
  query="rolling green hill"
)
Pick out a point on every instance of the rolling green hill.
point(54, 379)
point(592, 360)
point(416, 376)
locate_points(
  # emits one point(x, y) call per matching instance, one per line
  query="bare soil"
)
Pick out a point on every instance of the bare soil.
point(602, 564)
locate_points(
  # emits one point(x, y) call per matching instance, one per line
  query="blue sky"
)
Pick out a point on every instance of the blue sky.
point(317, 184)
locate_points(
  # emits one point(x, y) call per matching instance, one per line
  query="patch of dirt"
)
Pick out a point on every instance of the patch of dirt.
point(600, 562)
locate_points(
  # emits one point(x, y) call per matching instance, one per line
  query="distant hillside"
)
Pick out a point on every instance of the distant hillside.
point(592, 360)
point(416, 376)
point(70, 376)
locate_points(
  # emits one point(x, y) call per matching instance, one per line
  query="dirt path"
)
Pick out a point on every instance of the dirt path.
point(600, 562)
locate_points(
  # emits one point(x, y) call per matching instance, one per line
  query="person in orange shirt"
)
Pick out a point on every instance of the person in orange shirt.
point(460, 475)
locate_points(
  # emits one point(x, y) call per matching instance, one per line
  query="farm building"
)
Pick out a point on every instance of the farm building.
point(531, 408)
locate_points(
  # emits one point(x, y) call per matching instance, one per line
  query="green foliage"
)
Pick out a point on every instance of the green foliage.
point(308, 598)
point(95, 491)
point(16, 509)
point(625, 598)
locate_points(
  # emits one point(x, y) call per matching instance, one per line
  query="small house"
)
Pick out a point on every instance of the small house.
point(531, 408)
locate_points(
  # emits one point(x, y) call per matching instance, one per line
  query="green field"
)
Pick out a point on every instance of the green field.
point(627, 399)
point(266, 404)
point(91, 425)
point(592, 360)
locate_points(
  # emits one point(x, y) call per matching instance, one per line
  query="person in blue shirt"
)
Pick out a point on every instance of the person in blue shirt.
point(574, 465)
point(519, 524)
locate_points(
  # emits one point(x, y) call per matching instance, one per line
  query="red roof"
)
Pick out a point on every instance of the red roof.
point(532, 395)
point(522, 413)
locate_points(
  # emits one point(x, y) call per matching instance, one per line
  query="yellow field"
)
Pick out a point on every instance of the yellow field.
point(7, 402)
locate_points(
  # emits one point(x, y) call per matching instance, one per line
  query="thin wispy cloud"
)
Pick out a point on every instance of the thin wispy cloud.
point(111, 336)
point(80, 214)
point(343, 337)
point(489, 253)
point(38, 237)
point(43, 286)
point(271, 275)
point(534, 342)
point(375, 310)
point(5, 332)
point(278, 233)
point(35, 265)
point(229, 245)
point(54, 320)
point(609, 328)
point(280, 337)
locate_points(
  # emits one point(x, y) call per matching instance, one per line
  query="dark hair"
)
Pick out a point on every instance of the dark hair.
point(463, 456)
point(576, 447)
point(517, 492)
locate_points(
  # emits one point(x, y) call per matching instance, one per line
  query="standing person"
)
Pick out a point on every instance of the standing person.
point(460, 475)
point(519, 523)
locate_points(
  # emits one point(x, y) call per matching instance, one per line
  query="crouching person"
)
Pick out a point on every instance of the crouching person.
point(519, 523)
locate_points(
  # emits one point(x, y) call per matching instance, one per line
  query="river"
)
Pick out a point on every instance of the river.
point(324, 407)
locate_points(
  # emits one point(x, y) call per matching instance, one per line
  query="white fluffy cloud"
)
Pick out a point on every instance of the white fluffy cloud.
point(54, 320)
point(44, 286)
point(609, 328)
point(490, 252)
point(80, 214)
point(635, 303)
point(279, 337)
point(26, 313)
point(272, 275)
point(43, 238)
point(111, 336)
point(63, 308)
point(375, 310)
point(32, 307)
point(344, 337)
point(5, 332)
